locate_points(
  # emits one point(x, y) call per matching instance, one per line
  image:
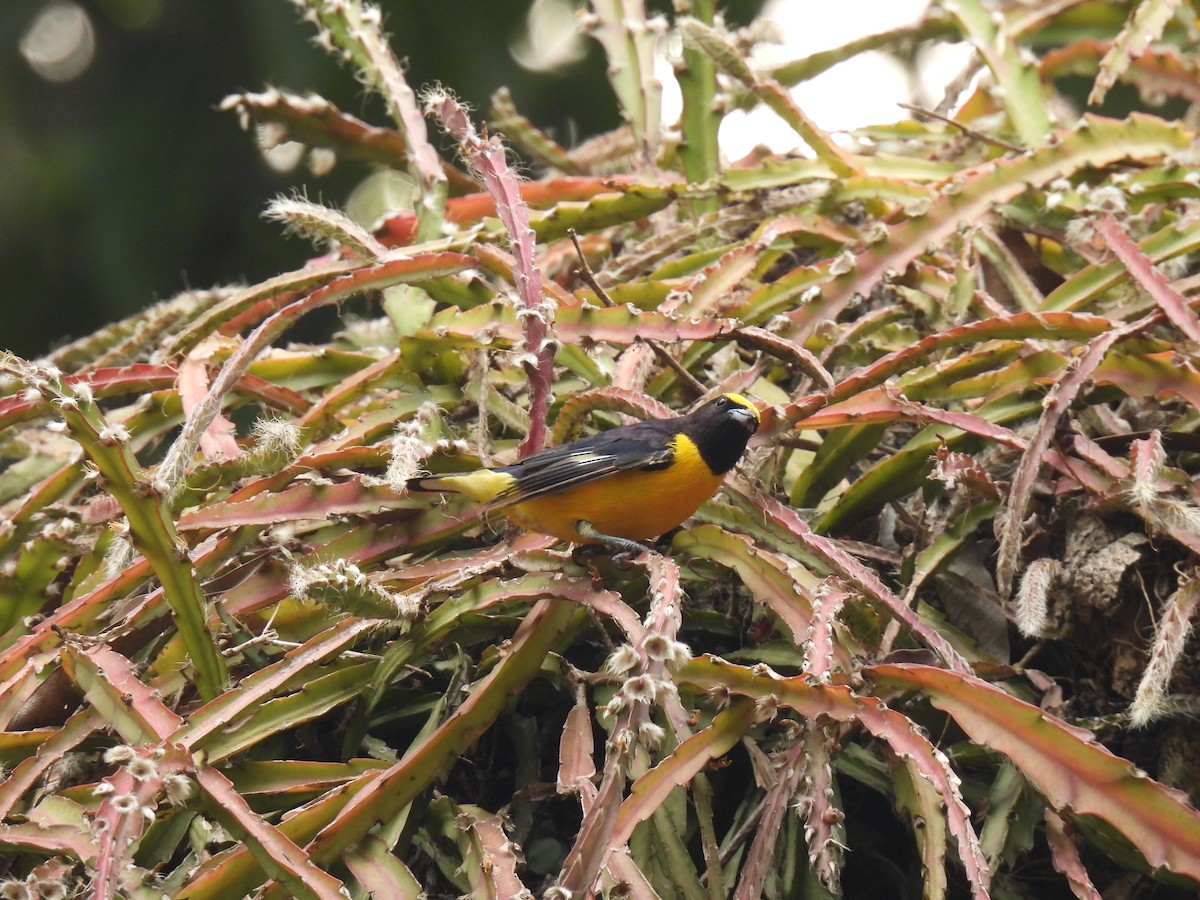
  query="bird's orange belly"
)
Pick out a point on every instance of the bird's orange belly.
point(638, 505)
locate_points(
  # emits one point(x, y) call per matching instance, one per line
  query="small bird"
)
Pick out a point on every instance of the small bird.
point(618, 487)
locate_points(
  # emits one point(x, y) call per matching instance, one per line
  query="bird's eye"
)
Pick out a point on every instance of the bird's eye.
point(722, 402)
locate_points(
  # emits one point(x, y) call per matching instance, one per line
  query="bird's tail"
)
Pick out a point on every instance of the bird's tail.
point(430, 484)
point(484, 485)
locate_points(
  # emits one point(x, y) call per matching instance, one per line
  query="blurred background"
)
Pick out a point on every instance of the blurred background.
point(121, 183)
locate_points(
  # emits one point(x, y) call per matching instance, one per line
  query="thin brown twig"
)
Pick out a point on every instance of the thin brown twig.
point(965, 129)
point(585, 272)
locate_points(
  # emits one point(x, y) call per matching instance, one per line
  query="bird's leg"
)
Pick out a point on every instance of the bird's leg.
point(623, 545)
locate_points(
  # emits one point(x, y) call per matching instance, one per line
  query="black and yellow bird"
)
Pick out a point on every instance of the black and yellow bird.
point(618, 487)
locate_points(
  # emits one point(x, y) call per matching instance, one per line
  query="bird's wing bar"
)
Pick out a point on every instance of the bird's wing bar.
point(578, 463)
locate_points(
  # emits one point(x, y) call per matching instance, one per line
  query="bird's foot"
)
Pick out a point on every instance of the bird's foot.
point(624, 549)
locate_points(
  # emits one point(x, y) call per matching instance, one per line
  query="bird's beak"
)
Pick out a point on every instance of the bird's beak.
point(746, 418)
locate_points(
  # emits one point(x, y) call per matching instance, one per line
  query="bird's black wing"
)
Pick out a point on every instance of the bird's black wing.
point(643, 445)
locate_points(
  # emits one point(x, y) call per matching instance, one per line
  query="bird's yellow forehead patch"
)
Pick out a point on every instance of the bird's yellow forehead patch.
point(749, 404)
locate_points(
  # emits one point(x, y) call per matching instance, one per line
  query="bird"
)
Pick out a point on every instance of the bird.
point(619, 487)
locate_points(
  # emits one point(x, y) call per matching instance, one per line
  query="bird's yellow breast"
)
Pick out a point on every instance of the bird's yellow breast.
point(638, 505)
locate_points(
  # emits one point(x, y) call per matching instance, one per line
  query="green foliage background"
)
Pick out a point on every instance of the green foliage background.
point(127, 184)
point(234, 650)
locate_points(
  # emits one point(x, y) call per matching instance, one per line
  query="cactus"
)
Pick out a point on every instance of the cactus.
point(237, 658)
